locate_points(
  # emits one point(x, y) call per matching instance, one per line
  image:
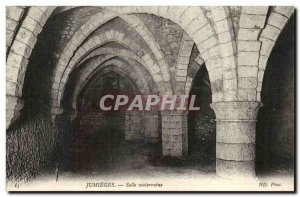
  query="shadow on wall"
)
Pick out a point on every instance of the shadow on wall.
point(275, 126)
point(30, 147)
point(201, 124)
point(31, 142)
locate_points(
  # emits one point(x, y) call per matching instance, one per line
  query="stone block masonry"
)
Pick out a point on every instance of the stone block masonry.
point(235, 139)
point(174, 133)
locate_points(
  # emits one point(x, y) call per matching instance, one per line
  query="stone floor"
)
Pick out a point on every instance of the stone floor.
point(135, 158)
point(125, 163)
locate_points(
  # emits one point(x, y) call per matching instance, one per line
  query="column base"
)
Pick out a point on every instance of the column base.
point(235, 169)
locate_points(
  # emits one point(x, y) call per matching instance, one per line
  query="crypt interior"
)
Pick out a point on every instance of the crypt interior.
point(238, 61)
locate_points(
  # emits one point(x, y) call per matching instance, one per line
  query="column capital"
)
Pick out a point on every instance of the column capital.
point(72, 114)
point(236, 110)
point(174, 113)
point(54, 112)
point(235, 138)
point(146, 112)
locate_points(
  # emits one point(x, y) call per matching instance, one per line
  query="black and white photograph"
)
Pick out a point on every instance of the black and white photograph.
point(133, 98)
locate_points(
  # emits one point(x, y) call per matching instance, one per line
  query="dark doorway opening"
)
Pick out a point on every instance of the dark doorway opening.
point(201, 124)
point(275, 126)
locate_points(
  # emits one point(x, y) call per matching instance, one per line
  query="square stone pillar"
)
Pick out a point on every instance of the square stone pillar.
point(151, 125)
point(134, 125)
point(235, 138)
point(174, 133)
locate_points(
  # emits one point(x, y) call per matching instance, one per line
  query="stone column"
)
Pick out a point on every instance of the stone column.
point(235, 138)
point(174, 133)
point(133, 126)
point(151, 126)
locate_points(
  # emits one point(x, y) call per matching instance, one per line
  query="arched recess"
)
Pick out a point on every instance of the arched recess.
point(191, 19)
point(279, 17)
point(104, 133)
point(112, 66)
point(145, 34)
point(201, 123)
point(135, 60)
point(98, 41)
point(199, 29)
point(275, 122)
point(97, 64)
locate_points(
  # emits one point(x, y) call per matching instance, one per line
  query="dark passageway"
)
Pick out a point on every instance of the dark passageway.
point(275, 126)
point(201, 124)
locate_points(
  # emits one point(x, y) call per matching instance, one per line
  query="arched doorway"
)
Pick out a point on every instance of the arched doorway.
point(101, 134)
point(201, 124)
point(275, 126)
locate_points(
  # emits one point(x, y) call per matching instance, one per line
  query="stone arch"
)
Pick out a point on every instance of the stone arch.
point(96, 42)
point(145, 34)
point(22, 46)
point(100, 73)
point(276, 22)
point(191, 19)
point(191, 75)
point(123, 64)
point(107, 50)
point(252, 21)
point(143, 31)
point(225, 39)
point(17, 57)
point(183, 60)
point(13, 16)
point(205, 31)
point(124, 54)
point(108, 60)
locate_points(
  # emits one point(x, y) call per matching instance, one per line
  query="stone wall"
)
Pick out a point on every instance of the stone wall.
point(144, 126)
point(169, 35)
point(34, 146)
point(98, 122)
point(202, 136)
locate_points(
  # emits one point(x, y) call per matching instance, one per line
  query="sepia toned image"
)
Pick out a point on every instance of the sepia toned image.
point(150, 98)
